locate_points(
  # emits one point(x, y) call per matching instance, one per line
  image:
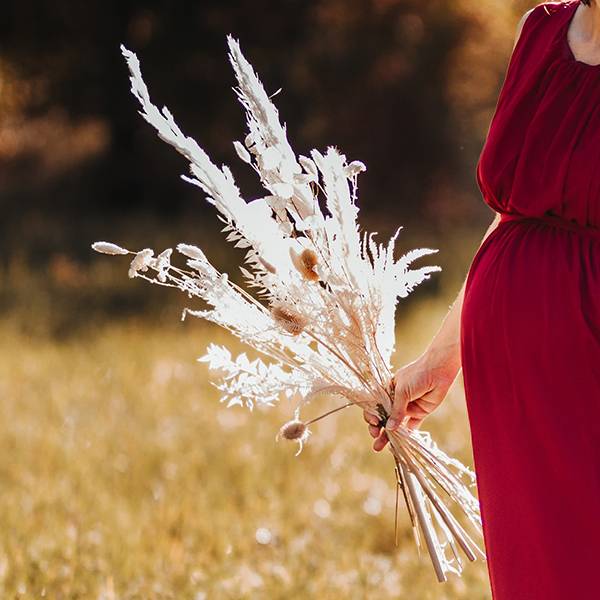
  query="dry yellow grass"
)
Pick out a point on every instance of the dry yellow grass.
point(123, 477)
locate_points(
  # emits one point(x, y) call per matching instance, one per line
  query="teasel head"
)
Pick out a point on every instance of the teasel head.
point(305, 263)
point(297, 430)
point(289, 319)
point(294, 431)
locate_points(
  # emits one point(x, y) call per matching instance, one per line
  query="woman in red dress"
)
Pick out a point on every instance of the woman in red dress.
point(525, 327)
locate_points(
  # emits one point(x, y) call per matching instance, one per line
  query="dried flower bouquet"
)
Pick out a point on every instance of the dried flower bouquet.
point(324, 309)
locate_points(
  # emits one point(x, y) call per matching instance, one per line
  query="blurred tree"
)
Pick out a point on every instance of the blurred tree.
point(406, 86)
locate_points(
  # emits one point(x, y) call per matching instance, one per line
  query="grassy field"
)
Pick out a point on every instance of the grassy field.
point(123, 477)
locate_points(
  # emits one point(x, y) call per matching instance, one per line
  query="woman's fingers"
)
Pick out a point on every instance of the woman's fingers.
point(370, 418)
point(374, 431)
point(380, 442)
point(398, 408)
point(414, 398)
point(373, 423)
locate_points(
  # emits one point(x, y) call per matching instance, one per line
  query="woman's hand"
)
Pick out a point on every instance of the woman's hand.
point(420, 387)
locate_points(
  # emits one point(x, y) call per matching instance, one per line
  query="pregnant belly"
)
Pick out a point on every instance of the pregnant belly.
point(532, 306)
point(530, 345)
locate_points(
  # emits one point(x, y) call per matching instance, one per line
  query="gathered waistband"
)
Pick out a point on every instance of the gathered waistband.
point(556, 221)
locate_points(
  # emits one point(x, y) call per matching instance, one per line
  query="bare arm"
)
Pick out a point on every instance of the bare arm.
point(447, 340)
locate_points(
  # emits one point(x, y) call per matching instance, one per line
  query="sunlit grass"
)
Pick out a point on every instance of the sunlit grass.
point(123, 477)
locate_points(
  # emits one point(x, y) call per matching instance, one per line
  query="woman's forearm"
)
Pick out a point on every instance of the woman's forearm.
point(446, 342)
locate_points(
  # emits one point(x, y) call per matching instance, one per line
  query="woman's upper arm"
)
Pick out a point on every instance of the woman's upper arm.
point(520, 25)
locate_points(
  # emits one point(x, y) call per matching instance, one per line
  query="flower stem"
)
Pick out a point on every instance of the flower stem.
point(330, 412)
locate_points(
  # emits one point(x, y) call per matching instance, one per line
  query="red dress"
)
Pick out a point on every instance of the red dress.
point(530, 322)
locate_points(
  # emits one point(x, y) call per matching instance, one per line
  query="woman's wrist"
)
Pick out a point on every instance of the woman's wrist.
point(443, 354)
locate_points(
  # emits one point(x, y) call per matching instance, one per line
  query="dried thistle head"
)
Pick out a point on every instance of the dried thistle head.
point(292, 321)
point(305, 262)
point(295, 431)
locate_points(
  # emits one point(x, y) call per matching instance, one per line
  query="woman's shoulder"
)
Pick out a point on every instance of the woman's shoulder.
point(541, 11)
point(551, 8)
point(521, 23)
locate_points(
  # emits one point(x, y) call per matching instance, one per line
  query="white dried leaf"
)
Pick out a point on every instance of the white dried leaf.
point(305, 178)
point(309, 165)
point(242, 152)
point(161, 264)
point(270, 158)
point(284, 190)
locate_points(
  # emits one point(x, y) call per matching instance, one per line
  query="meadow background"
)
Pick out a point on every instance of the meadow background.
point(121, 475)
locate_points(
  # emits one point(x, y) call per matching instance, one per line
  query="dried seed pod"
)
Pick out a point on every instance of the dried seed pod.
point(293, 430)
point(309, 262)
point(305, 262)
point(267, 265)
point(108, 248)
point(292, 321)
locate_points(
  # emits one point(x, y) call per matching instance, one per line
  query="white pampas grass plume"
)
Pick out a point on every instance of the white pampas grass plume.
point(108, 248)
point(262, 233)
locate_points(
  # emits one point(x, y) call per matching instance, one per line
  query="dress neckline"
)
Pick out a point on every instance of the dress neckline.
point(565, 38)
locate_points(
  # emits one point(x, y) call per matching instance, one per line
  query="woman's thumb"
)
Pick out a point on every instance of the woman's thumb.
point(405, 392)
point(397, 414)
